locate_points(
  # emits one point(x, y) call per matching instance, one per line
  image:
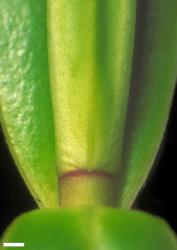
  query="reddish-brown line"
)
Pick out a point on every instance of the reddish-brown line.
point(81, 172)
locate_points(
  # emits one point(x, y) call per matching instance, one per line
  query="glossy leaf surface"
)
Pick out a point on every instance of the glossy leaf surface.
point(26, 112)
point(90, 229)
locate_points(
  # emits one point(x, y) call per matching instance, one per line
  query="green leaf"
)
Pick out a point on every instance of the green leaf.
point(26, 111)
point(90, 229)
point(90, 57)
point(153, 82)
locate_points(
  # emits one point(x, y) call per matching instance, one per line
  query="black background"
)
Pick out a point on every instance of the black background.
point(157, 197)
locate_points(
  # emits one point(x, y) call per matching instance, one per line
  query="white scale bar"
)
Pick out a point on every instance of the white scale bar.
point(13, 244)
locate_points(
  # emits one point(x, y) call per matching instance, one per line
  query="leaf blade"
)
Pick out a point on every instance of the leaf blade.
point(26, 111)
point(90, 57)
point(91, 228)
point(153, 85)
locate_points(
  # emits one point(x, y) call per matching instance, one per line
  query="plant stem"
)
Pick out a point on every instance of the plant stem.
point(87, 188)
